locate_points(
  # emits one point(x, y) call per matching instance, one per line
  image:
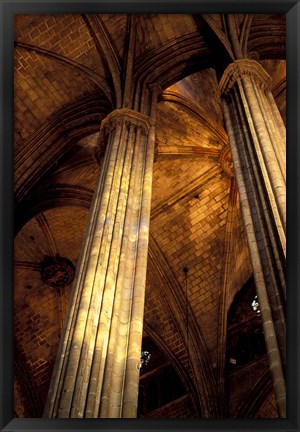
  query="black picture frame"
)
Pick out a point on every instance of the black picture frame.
point(8, 9)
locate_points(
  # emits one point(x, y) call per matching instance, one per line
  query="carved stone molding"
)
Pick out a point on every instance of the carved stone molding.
point(241, 68)
point(225, 161)
point(128, 117)
point(122, 116)
point(57, 272)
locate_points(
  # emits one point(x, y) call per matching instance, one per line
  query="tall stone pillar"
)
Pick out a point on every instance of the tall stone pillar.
point(258, 151)
point(97, 367)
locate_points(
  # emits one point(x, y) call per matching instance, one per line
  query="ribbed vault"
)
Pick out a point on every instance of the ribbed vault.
point(69, 75)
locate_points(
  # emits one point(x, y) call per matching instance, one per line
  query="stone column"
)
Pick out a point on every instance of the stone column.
point(97, 367)
point(258, 152)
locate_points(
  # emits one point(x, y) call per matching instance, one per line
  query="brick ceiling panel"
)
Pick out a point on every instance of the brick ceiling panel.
point(42, 87)
point(40, 310)
point(81, 168)
point(64, 34)
point(170, 177)
point(116, 26)
point(37, 325)
point(161, 321)
point(67, 226)
point(31, 243)
point(78, 176)
point(154, 30)
point(25, 23)
point(195, 88)
point(62, 235)
point(267, 36)
point(191, 235)
point(32, 292)
point(37, 331)
point(26, 283)
point(176, 126)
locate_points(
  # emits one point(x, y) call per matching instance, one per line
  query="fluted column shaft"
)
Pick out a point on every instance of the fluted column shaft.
point(97, 368)
point(258, 153)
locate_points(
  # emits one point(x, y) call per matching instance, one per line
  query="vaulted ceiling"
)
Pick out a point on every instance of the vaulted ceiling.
point(68, 72)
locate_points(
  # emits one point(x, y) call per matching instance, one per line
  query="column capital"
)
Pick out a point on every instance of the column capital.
point(122, 116)
point(241, 68)
point(128, 117)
